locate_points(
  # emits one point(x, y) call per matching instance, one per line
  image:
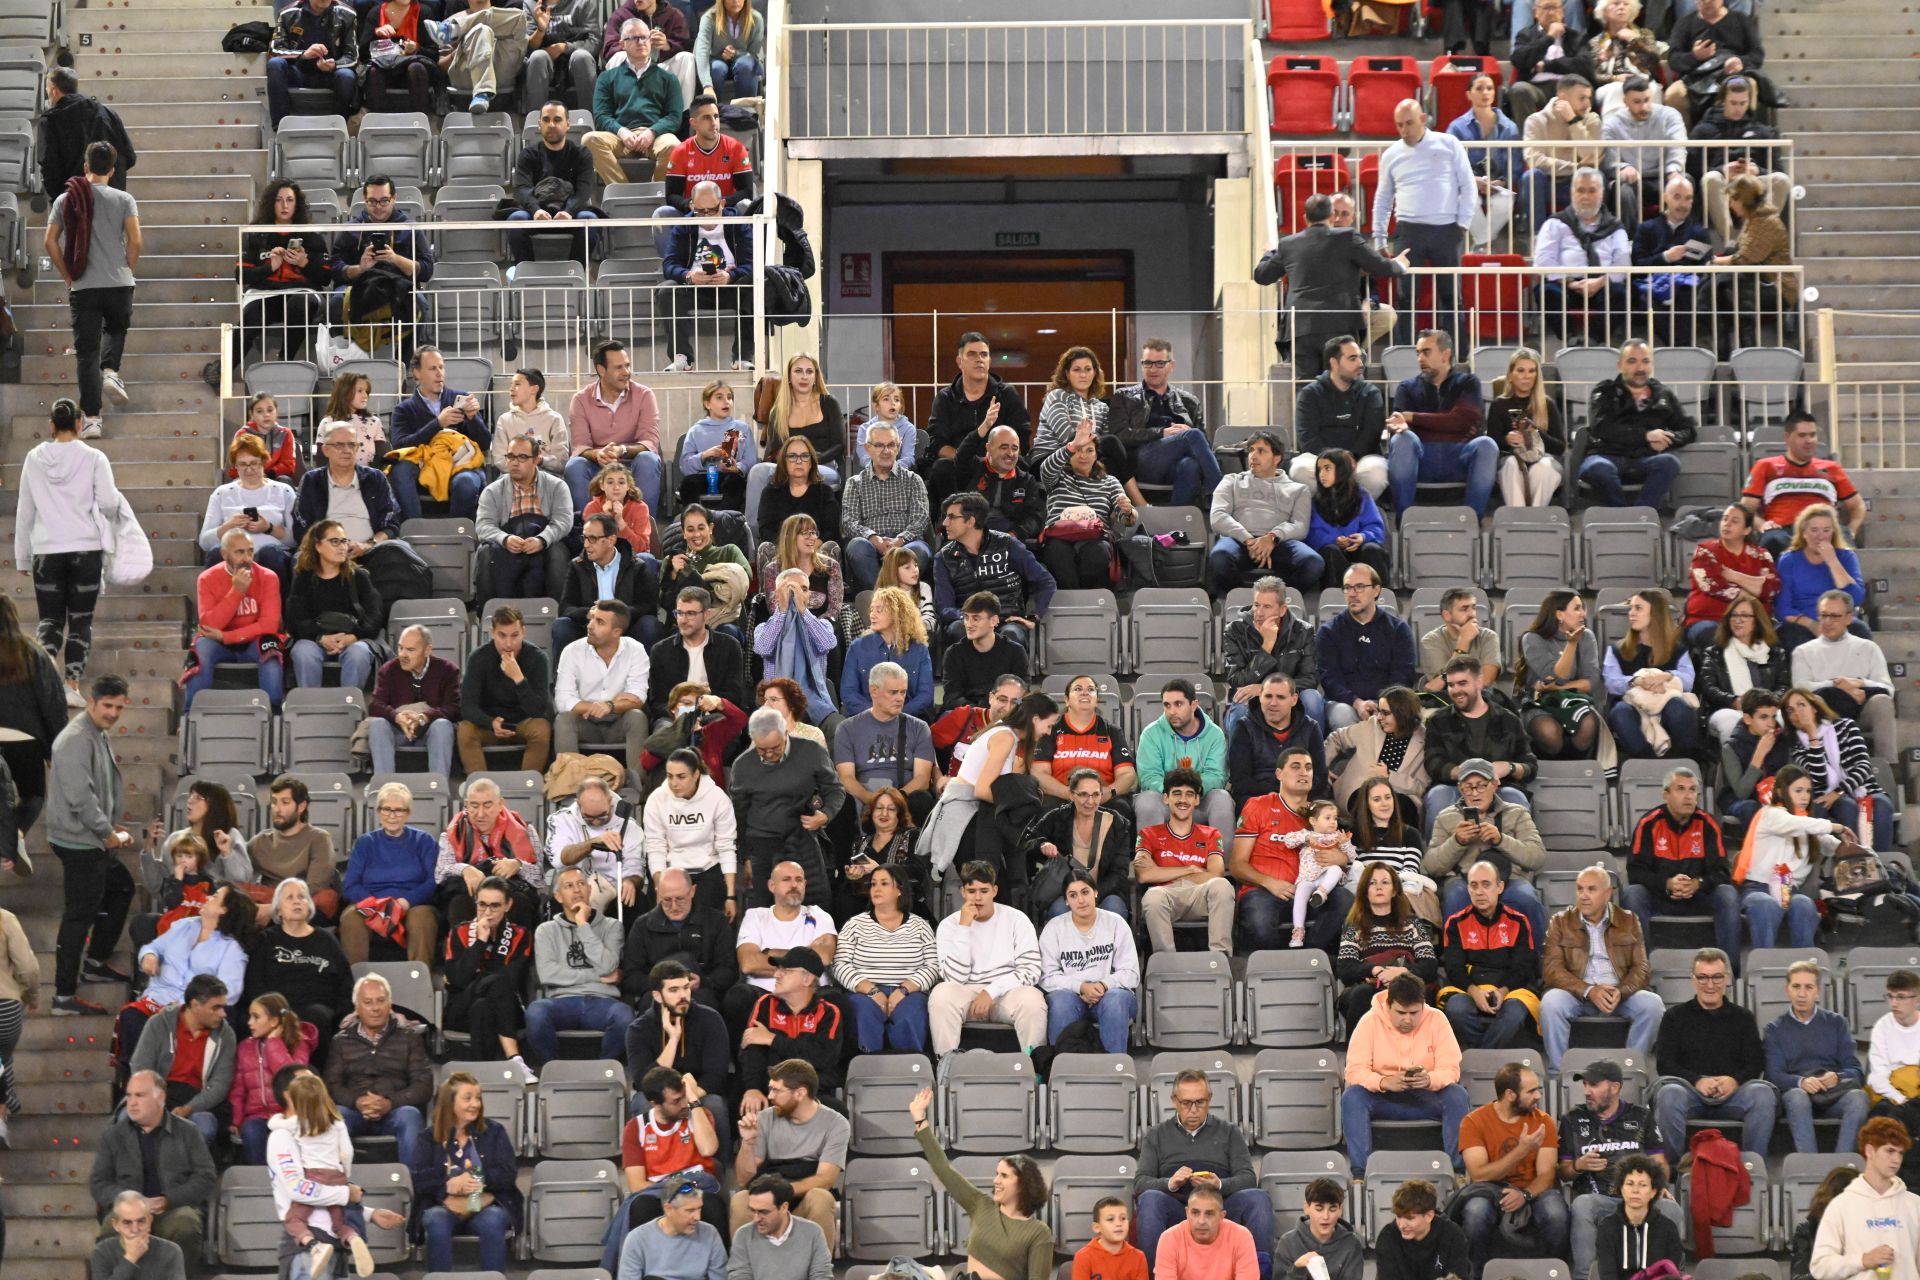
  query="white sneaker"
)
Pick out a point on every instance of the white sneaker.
point(517, 1061)
point(743, 366)
point(680, 365)
point(319, 1258)
point(362, 1257)
point(91, 428)
point(115, 389)
point(6, 1138)
point(76, 700)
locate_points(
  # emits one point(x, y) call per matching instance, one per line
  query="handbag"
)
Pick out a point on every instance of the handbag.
point(1075, 529)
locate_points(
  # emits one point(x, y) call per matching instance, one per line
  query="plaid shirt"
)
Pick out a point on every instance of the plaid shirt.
point(526, 501)
point(895, 507)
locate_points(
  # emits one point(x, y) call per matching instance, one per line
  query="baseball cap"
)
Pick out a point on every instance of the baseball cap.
point(1476, 765)
point(802, 958)
point(1600, 1069)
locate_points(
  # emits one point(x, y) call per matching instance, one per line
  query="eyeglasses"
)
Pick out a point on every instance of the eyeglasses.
point(341, 444)
point(336, 542)
point(1710, 978)
point(489, 906)
point(399, 809)
point(519, 457)
point(1364, 586)
point(596, 537)
point(689, 613)
point(800, 456)
point(1189, 1104)
point(379, 202)
point(634, 39)
point(1155, 364)
point(1825, 615)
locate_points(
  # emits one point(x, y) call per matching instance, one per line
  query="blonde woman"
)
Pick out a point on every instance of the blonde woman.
point(732, 45)
point(1525, 422)
point(1818, 560)
point(465, 1177)
point(1650, 676)
point(802, 409)
point(896, 634)
point(800, 547)
point(1621, 50)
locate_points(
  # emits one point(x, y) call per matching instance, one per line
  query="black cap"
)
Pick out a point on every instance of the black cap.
point(802, 958)
point(1598, 1070)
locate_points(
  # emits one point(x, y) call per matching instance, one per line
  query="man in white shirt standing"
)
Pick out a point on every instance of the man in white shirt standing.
point(601, 680)
point(990, 966)
point(1426, 182)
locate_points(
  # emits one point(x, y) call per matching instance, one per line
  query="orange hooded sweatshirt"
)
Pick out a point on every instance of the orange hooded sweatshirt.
point(1376, 1049)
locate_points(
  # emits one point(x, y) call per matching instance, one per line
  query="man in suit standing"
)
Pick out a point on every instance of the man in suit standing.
point(1324, 267)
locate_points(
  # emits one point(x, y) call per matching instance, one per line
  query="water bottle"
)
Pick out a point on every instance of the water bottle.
point(713, 479)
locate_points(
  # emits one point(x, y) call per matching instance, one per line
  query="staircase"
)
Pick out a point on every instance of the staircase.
point(196, 116)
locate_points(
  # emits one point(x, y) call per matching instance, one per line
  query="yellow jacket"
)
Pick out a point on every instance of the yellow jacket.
point(439, 459)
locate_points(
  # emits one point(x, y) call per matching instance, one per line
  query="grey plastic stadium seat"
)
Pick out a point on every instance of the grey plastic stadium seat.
point(1516, 615)
point(22, 82)
point(447, 545)
point(311, 150)
point(1709, 473)
point(1865, 996)
point(579, 1108)
point(1670, 974)
point(17, 162)
point(1093, 1102)
point(1766, 383)
point(445, 620)
point(473, 201)
point(1801, 1176)
point(1752, 1228)
point(465, 303)
point(1490, 362)
point(569, 1273)
point(1107, 688)
point(568, 1206)
point(317, 728)
point(1386, 1170)
point(333, 806)
point(1528, 1269)
point(1643, 786)
point(228, 729)
point(1439, 546)
point(579, 124)
point(398, 144)
point(1763, 980)
point(990, 1102)
point(1741, 1268)
point(1169, 626)
point(1286, 1175)
point(548, 301)
point(1143, 708)
point(1570, 804)
point(1607, 614)
point(537, 615)
point(1187, 1000)
point(1397, 364)
point(633, 200)
point(292, 384)
point(1620, 547)
point(879, 1086)
point(1479, 1066)
point(1560, 873)
point(385, 379)
point(1289, 998)
point(475, 374)
point(1079, 1183)
point(476, 148)
point(1688, 373)
point(12, 238)
point(955, 1222)
point(414, 989)
point(627, 296)
point(432, 801)
point(249, 810)
point(1636, 1085)
point(1165, 1069)
point(895, 1198)
point(249, 1232)
point(1579, 370)
point(387, 1186)
point(1082, 631)
point(1230, 445)
point(1293, 1102)
point(1530, 546)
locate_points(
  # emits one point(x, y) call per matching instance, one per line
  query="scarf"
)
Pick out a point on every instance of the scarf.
point(1603, 227)
point(76, 226)
point(794, 659)
point(1742, 655)
point(509, 840)
point(1830, 748)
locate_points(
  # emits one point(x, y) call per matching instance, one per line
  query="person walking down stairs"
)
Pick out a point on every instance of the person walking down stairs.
point(93, 239)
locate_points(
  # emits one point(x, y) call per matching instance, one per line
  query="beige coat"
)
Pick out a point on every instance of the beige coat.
point(19, 967)
point(1364, 741)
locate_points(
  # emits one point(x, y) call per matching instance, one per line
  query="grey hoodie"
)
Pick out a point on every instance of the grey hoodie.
point(553, 957)
point(1344, 1254)
point(62, 486)
point(84, 787)
point(155, 1053)
point(1246, 507)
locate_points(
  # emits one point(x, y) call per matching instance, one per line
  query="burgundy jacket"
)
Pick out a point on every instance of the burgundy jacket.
point(393, 689)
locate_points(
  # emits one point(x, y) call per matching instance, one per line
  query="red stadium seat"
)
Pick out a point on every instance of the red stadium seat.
point(1305, 92)
point(1375, 86)
point(1449, 75)
point(1295, 177)
point(1296, 20)
point(1493, 299)
point(1369, 183)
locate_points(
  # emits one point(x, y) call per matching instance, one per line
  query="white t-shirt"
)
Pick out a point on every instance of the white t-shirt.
point(696, 662)
point(976, 757)
point(770, 933)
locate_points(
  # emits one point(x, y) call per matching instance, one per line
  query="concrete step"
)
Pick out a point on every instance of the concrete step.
point(1869, 68)
point(183, 475)
point(48, 1200)
point(1895, 21)
point(145, 186)
point(151, 135)
point(39, 1241)
point(1814, 171)
point(44, 1032)
point(233, 163)
point(126, 91)
point(179, 40)
point(222, 289)
point(201, 340)
point(42, 317)
point(147, 376)
point(1850, 94)
point(1882, 347)
point(1872, 323)
point(219, 111)
point(137, 63)
point(1874, 295)
point(1817, 245)
point(120, 15)
point(201, 448)
point(1862, 271)
point(48, 1165)
point(1800, 120)
point(1838, 41)
point(1857, 142)
point(1859, 218)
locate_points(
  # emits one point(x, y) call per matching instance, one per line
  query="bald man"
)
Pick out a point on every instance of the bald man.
point(1426, 182)
point(1594, 965)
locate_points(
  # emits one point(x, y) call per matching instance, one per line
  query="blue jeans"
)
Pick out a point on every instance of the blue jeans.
point(1681, 722)
point(860, 560)
point(1184, 460)
point(383, 741)
point(1722, 902)
point(1558, 1009)
point(1849, 1102)
point(903, 1030)
point(1411, 460)
point(1264, 922)
point(646, 473)
point(309, 661)
point(1360, 1107)
point(1846, 809)
point(463, 491)
point(1518, 894)
point(1655, 474)
point(1113, 1013)
point(491, 1225)
point(1443, 795)
point(1477, 1030)
point(273, 676)
point(253, 1141)
point(1480, 1219)
point(1762, 907)
point(403, 1124)
point(520, 241)
point(1157, 1211)
point(745, 74)
point(546, 1019)
point(1297, 564)
point(284, 74)
point(1677, 1101)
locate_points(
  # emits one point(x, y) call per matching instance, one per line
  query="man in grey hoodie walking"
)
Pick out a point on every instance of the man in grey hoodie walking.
point(577, 957)
point(85, 793)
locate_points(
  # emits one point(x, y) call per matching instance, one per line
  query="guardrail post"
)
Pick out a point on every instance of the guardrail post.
point(1828, 374)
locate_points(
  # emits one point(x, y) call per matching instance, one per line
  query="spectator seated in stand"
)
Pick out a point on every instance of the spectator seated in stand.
point(576, 956)
point(1724, 569)
point(552, 182)
point(1474, 729)
point(523, 520)
point(1383, 939)
point(685, 1039)
point(1635, 423)
point(1600, 1142)
point(973, 668)
point(191, 1047)
point(1259, 520)
point(1707, 46)
point(794, 1021)
point(390, 881)
point(601, 685)
point(1833, 753)
point(614, 419)
point(1893, 1049)
point(1459, 635)
point(1671, 237)
point(1434, 431)
point(1641, 172)
point(1820, 559)
point(1190, 1150)
point(976, 558)
point(505, 697)
point(314, 46)
point(1491, 957)
point(1594, 965)
point(600, 835)
point(608, 568)
point(1267, 640)
point(486, 967)
point(1847, 670)
point(1783, 486)
point(989, 966)
point(1362, 651)
point(1549, 46)
point(377, 1070)
point(896, 637)
point(708, 265)
point(1346, 527)
point(483, 50)
point(255, 503)
point(148, 1148)
point(1484, 826)
point(882, 507)
point(1584, 234)
point(1180, 866)
point(991, 466)
point(1812, 1062)
point(1402, 1064)
point(415, 704)
point(795, 1136)
point(1677, 862)
point(1267, 865)
point(1339, 409)
point(1562, 137)
point(1711, 1062)
point(1649, 677)
point(456, 468)
point(239, 619)
point(887, 961)
point(1509, 1146)
point(717, 452)
point(1731, 120)
point(1183, 737)
point(333, 610)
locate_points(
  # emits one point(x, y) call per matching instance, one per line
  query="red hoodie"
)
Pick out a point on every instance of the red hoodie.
point(241, 619)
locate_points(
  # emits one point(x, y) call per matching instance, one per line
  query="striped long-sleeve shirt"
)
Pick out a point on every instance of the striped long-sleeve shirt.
point(998, 953)
point(869, 953)
point(895, 507)
point(1060, 416)
point(1856, 763)
point(1068, 488)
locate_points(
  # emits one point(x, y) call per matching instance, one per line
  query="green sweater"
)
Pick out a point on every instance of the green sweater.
point(1013, 1248)
point(650, 99)
point(1162, 749)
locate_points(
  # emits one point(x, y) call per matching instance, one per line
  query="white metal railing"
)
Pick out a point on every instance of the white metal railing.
point(1266, 208)
point(773, 112)
point(1180, 76)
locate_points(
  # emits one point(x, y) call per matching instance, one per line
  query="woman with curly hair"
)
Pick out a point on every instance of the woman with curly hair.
point(284, 274)
point(896, 634)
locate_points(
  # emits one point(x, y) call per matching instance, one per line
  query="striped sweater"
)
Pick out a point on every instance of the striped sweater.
point(869, 953)
point(1855, 761)
point(1068, 488)
point(1060, 416)
point(998, 954)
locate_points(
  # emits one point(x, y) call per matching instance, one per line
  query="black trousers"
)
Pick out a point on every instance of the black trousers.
point(27, 762)
point(487, 1010)
point(1078, 566)
point(100, 318)
point(99, 892)
point(66, 587)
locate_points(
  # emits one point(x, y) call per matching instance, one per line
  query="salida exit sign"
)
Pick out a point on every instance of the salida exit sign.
point(1016, 239)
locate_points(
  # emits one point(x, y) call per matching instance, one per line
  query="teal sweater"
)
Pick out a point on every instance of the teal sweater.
point(1162, 749)
point(624, 99)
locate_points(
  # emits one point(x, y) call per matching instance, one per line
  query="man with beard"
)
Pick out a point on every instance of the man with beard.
point(672, 1141)
point(679, 1034)
point(1594, 1139)
point(1582, 236)
point(800, 1140)
point(1511, 1141)
point(294, 849)
point(1473, 728)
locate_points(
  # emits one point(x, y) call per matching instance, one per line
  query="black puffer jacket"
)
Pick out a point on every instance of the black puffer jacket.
point(66, 129)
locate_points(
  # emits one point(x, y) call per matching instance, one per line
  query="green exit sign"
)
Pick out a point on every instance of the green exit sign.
point(1016, 239)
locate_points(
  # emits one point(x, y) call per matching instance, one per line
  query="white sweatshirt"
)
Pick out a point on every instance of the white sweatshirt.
point(689, 835)
point(566, 826)
point(290, 1155)
point(1780, 836)
point(1105, 953)
point(1860, 1219)
point(998, 954)
point(1890, 1047)
point(61, 487)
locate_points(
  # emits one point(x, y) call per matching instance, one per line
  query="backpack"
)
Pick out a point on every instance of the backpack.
point(1868, 903)
point(1161, 560)
point(247, 37)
